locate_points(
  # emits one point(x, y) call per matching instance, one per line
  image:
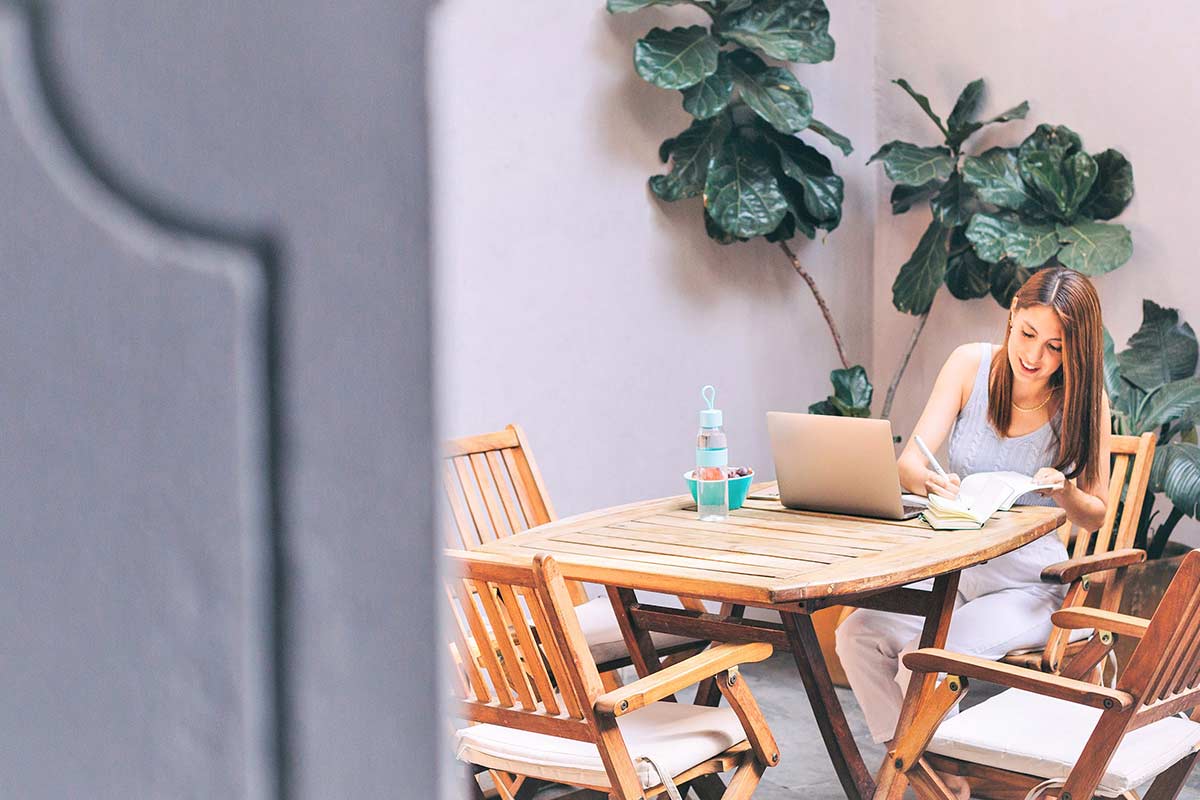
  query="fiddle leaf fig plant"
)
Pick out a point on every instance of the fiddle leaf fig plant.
point(743, 151)
point(1152, 387)
point(999, 216)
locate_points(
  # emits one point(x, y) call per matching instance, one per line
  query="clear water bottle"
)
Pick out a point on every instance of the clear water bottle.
point(712, 456)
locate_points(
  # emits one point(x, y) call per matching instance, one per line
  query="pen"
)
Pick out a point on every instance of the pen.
point(933, 462)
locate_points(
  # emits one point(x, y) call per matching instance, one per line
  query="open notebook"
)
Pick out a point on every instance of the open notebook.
point(979, 497)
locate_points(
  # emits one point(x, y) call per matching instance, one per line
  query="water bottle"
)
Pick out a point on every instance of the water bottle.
point(712, 456)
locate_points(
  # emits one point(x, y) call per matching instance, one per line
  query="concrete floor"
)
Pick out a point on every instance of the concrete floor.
point(804, 772)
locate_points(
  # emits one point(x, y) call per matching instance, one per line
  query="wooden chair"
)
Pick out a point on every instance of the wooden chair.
point(535, 693)
point(1098, 562)
point(495, 489)
point(1071, 738)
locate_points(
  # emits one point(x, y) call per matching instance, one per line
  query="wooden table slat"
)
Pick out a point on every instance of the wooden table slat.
point(788, 540)
point(656, 540)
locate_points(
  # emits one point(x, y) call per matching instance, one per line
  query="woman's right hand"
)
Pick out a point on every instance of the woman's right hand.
point(944, 486)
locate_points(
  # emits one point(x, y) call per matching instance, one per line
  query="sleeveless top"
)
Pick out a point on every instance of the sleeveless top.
point(976, 447)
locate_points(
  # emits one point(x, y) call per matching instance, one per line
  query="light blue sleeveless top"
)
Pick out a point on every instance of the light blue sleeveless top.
point(976, 447)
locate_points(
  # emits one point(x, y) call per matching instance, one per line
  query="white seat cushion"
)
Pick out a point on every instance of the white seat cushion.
point(603, 634)
point(676, 736)
point(1026, 732)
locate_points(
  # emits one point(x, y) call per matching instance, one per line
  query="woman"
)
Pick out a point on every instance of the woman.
point(1033, 405)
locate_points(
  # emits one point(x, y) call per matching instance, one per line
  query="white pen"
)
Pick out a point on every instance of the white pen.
point(933, 462)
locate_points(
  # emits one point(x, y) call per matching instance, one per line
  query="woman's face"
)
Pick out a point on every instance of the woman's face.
point(1035, 346)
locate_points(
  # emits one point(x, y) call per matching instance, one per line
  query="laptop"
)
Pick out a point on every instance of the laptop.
point(845, 465)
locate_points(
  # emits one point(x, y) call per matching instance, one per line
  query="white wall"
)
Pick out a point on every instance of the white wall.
point(573, 301)
point(1120, 75)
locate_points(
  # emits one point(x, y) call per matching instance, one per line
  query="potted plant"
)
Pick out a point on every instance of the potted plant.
point(748, 150)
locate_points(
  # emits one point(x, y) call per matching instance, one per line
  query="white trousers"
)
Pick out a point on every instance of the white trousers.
point(1001, 606)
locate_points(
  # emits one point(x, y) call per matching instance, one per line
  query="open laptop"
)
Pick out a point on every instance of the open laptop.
point(845, 465)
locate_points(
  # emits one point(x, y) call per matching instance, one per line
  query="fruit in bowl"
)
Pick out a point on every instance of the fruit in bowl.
point(739, 484)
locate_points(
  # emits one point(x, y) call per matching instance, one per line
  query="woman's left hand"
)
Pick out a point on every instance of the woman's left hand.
point(1047, 475)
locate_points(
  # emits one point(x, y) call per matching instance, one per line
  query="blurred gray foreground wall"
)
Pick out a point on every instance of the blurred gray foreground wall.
point(216, 578)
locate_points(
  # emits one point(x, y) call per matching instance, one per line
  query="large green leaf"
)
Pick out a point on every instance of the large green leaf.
point(1176, 471)
point(911, 165)
point(625, 6)
point(966, 106)
point(963, 132)
point(852, 391)
point(717, 233)
point(836, 139)
point(1094, 248)
point(691, 152)
point(678, 58)
point(1161, 351)
point(1059, 140)
point(1113, 188)
point(772, 92)
point(710, 96)
point(968, 276)
point(955, 204)
point(998, 237)
point(1177, 402)
point(905, 197)
point(1113, 383)
point(1061, 185)
point(1006, 279)
point(923, 102)
point(996, 179)
point(823, 190)
point(921, 276)
point(741, 193)
point(790, 30)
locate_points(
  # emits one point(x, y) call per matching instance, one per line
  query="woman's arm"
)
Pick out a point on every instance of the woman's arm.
point(945, 401)
point(1086, 506)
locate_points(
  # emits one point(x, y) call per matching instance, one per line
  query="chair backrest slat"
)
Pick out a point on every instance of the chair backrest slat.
point(1163, 667)
point(495, 490)
point(483, 642)
point(463, 655)
point(1129, 476)
point(535, 666)
point(503, 482)
point(533, 660)
point(550, 647)
point(502, 636)
point(1116, 484)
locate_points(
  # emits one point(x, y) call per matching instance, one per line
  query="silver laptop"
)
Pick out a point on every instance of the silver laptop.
point(845, 465)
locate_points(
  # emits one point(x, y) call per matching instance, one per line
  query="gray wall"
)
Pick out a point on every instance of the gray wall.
point(217, 574)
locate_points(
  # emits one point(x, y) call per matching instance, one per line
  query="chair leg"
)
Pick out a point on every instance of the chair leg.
point(1167, 785)
point(745, 779)
point(707, 693)
point(927, 784)
point(904, 759)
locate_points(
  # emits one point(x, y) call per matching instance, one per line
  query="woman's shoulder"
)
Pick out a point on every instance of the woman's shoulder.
point(968, 356)
point(964, 364)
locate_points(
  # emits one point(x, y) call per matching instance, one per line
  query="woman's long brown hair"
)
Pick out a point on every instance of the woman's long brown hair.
point(1074, 299)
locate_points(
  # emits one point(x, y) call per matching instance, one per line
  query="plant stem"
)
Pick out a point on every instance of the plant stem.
point(812, 285)
point(912, 345)
point(1163, 533)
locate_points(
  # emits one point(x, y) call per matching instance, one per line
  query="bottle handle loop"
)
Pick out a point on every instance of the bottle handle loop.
point(709, 395)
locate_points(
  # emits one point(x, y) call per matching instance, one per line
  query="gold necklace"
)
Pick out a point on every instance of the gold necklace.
point(1040, 405)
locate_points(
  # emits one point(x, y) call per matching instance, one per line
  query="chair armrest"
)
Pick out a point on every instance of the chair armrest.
point(1081, 617)
point(1073, 569)
point(669, 680)
point(1088, 694)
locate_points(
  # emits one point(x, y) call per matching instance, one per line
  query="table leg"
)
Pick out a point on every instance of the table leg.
point(843, 751)
point(937, 625)
point(642, 651)
point(707, 693)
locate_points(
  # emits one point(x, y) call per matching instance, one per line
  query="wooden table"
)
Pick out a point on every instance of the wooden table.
point(794, 562)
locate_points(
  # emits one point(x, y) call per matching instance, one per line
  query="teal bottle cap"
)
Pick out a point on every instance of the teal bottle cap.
point(710, 417)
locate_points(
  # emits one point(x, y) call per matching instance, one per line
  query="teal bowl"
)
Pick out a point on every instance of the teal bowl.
point(738, 487)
